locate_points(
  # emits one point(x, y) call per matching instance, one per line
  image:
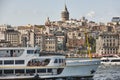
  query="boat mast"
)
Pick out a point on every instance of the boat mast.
point(88, 45)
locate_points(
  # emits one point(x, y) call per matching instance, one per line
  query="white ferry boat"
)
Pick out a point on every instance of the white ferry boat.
point(110, 60)
point(29, 63)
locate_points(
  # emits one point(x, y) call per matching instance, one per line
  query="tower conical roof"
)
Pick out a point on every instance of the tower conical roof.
point(65, 14)
point(65, 9)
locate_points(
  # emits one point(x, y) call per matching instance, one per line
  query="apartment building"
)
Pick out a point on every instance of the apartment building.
point(61, 40)
point(13, 37)
point(108, 42)
point(75, 39)
point(4, 27)
point(39, 40)
point(50, 43)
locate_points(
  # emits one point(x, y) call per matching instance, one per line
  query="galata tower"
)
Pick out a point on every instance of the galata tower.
point(65, 14)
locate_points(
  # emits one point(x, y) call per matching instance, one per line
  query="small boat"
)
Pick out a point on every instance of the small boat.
point(110, 60)
point(30, 63)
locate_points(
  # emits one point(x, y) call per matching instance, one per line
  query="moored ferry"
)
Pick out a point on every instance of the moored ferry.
point(29, 63)
point(110, 60)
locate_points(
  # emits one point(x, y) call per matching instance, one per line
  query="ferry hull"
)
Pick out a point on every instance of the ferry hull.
point(85, 69)
point(78, 69)
point(110, 63)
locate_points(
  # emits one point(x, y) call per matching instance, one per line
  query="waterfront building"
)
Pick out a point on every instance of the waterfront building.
point(49, 43)
point(13, 37)
point(25, 33)
point(2, 35)
point(39, 40)
point(75, 39)
point(4, 27)
point(25, 29)
point(24, 40)
point(4, 43)
point(108, 42)
point(61, 39)
point(28, 34)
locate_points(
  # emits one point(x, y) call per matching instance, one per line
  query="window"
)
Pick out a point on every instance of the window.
point(60, 60)
point(18, 51)
point(59, 70)
point(13, 50)
point(0, 62)
point(19, 61)
point(37, 51)
point(7, 51)
point(56, 61)
point(49, 70)
point(30, 71)
point(105, 60)
point(8, 71)
point(19, 71)
point(115, 60)
point(30, 51)
point(7, 62)
point(41, 71)
point(0, 72)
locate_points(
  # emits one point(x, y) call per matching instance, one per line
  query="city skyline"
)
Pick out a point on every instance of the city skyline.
point(25, 12)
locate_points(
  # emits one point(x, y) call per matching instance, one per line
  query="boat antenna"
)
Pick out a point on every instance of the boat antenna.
point(88, 45)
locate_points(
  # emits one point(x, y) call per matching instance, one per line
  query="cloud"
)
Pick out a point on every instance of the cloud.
point(91, 14)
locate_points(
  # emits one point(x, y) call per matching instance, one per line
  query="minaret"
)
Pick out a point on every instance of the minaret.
point(65, 14)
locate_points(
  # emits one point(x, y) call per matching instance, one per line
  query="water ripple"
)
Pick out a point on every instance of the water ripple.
point(107, 73)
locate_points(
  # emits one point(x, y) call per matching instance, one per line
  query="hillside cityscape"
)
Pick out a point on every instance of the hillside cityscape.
point(66, 35)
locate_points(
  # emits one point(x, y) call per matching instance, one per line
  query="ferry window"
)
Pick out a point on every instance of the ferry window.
point(56, 61)
point(11, 53)
point(8, 71)
point(19, 71)
point(0, 72)
point(49, 70)
point(30, 71)
point(7, 51)
point(36, 51)
point(8, 62)
point(115, 61)
point(30, 51)
point(60, 61)
point(59, 70)
point(41, 71)
point(105, 60)
point(19, 62)
point(0, 62)
point(63, 60)
point(18, 51)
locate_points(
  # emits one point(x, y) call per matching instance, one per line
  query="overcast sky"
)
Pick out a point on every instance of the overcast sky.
point(23, 12)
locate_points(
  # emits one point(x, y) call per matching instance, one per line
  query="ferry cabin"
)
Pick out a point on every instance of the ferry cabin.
point(27, 61)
